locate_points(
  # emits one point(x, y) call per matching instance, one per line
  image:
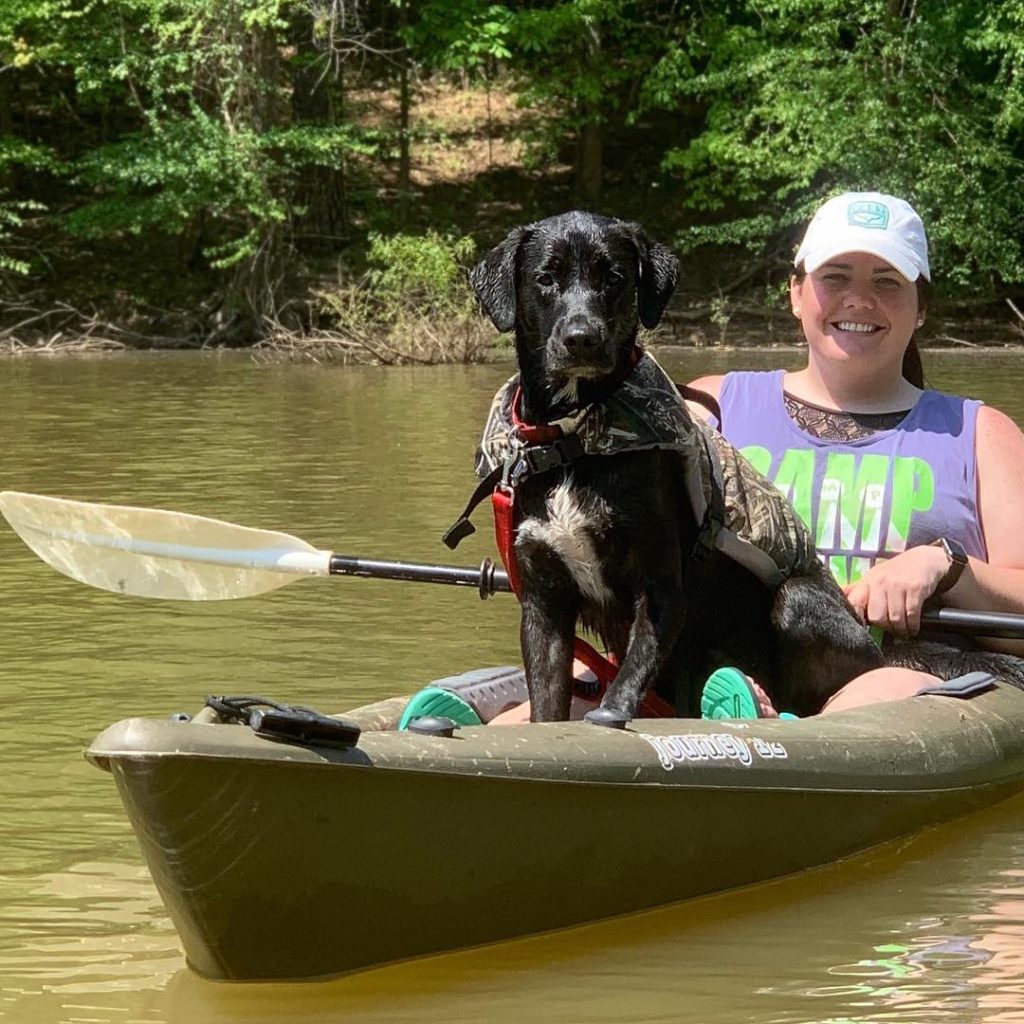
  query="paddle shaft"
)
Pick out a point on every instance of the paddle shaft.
point(1004, 625)
point(488, 580)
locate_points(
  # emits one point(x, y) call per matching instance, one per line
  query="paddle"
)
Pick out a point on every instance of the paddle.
point(148, 552)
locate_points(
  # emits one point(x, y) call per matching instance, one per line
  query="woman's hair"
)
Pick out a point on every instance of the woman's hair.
point(912, 369)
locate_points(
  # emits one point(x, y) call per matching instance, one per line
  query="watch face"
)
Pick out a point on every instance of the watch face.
point(957, 561)
point(955, 550)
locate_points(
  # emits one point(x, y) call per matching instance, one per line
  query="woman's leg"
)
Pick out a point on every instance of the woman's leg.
point(520, 713)
point(876, 687)
point(580, 705)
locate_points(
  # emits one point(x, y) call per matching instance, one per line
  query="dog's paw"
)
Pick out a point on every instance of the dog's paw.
point(608, 717)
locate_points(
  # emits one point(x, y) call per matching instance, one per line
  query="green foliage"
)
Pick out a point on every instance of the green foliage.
point(806, 98)
point(425, 271)
point(185, 168)
point(414, 303)
point(12, 216)
point(580, 59)
point(224, 126)
point(162, 178)
point(17, 153)
point(208, 144)
point(455, 35)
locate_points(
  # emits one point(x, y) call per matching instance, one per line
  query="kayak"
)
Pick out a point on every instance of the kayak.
point(289, 845)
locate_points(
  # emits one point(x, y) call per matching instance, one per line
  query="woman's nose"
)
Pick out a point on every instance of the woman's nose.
point(858, 297)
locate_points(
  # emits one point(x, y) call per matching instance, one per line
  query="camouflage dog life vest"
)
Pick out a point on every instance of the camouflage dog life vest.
point(741, 513)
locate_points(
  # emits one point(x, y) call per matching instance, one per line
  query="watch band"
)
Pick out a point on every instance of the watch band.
point(957, 562)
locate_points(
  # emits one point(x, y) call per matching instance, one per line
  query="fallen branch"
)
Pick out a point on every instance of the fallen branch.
point(956, 341)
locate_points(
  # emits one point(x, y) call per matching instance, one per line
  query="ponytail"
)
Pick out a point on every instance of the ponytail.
point(913, 371)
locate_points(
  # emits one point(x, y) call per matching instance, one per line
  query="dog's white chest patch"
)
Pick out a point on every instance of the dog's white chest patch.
point(570, 531)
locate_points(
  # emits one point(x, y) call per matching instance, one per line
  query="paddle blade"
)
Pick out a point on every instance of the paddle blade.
point(148, 552)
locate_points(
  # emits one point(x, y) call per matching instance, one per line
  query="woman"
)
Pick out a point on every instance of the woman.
point(910, 494)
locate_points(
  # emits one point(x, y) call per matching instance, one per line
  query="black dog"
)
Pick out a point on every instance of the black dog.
point(625, 521)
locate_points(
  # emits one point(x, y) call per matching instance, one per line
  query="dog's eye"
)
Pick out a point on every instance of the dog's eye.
point(545, 280)
point(613, 279)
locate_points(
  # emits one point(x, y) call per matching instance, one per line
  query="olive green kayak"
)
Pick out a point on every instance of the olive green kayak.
point(298, 854)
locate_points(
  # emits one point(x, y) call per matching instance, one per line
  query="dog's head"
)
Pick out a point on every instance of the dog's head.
point(574, 288)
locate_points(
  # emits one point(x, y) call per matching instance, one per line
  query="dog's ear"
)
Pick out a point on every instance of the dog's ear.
point(657, 275)
point(494, 279)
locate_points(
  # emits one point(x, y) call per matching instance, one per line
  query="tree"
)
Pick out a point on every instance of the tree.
point(806, 98)
point(582, 61)
point(192, 119)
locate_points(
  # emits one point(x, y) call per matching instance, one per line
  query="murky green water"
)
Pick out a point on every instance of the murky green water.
point(377, 463)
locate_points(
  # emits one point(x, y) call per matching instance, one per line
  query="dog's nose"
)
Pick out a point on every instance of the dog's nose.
point(579, 341)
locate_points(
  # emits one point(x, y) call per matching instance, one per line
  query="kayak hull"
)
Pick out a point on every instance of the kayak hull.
point(282, 861)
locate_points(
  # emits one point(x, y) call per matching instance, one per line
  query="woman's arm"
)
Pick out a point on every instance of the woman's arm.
point(893, 592)
point(997, 585)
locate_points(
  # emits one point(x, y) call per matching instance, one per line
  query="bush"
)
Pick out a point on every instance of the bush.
point(413, 305)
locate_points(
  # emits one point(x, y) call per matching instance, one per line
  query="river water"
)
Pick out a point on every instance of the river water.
point(377, 462)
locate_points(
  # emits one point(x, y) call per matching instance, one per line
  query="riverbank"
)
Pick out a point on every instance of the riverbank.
point(473, 176)
point(681, 329)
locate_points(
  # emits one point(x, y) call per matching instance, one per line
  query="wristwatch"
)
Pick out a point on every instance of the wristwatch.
point(957, 561)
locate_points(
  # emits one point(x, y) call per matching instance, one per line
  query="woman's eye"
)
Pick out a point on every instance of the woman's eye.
point(545, 280)
point(834, 278)
point(887, 282)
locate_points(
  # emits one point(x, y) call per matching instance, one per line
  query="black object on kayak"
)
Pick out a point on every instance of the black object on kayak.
point(285, 722)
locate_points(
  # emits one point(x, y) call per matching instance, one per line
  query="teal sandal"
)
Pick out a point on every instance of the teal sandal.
point(434, 700)
point(728, 694)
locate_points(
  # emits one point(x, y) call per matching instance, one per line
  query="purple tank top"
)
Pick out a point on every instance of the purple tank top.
point(868, 498)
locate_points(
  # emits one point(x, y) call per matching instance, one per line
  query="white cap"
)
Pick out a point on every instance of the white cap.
point(871, 222)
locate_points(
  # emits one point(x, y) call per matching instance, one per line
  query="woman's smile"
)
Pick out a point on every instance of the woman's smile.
point(856, 327)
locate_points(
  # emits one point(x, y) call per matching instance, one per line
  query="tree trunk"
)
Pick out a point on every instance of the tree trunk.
point(317, 99)
point(254, 296)
point(590, 164)
point(404, 170)
point(590, 146)
point(6, 120)
point(267, 104)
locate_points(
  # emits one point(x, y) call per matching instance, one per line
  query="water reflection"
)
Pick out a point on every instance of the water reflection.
point(378, 462)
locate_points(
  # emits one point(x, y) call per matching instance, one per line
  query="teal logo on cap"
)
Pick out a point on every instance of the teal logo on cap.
point(868, 215)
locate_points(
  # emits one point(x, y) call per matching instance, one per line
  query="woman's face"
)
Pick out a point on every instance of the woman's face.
point(856, 306)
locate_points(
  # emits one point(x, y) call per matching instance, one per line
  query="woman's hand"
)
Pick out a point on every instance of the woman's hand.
point(893, 591)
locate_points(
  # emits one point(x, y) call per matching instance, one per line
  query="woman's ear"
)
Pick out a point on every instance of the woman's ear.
point(794, 295)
